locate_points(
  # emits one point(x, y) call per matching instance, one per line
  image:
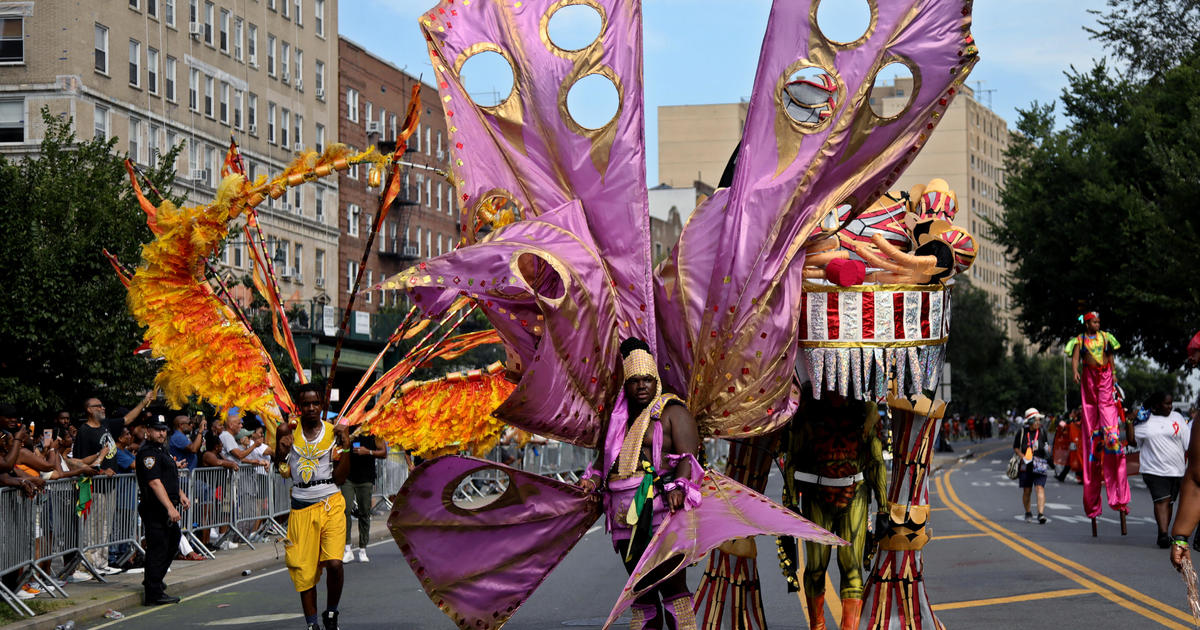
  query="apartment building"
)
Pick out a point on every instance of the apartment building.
point(424, 221)
point(156, 73)
point(695, 142)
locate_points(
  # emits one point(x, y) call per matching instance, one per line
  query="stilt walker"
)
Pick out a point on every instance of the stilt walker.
point(1103, 429)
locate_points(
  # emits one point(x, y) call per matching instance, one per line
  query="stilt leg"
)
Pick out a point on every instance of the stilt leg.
point(1124, 530)
point(1093, 528)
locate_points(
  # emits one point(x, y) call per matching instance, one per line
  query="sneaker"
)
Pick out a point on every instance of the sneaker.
point(1042, 519)
point(79, 576)
point(1028, 517)
point(313, 626)
point(329, 619)
point(361, 552)
point(1164, 540)
point(348, 555)
point(28, 591)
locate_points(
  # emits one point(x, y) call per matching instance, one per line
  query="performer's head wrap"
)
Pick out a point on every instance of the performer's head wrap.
point(1089, 316)
point(636, 359)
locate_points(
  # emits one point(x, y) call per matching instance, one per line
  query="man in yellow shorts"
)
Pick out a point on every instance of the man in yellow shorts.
point(316, 462)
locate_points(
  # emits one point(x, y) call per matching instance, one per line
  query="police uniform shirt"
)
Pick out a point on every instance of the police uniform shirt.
point(154, 462)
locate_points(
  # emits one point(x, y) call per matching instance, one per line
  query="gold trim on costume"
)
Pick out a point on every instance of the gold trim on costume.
point(639, 363)
point(872, 288)
point(570, 53)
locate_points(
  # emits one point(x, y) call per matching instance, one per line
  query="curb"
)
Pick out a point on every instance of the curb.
point(92, 611)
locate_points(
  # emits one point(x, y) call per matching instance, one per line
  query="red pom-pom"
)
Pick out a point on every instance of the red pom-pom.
point(846, 273)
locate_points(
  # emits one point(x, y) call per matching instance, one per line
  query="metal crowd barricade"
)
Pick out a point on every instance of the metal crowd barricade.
point(112, 519)
point(390, 474)
point(17, 552)
point(252, 500)
point(61, 526)
point(214, 500)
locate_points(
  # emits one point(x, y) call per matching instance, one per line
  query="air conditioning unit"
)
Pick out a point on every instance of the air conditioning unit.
point(320, 218)
point(441, 155)
point(285, 273)
point(320, 282)
point(200, 175)
point(298, 146)
point(321, 94)
point(254, 63)
point(253, 129)
point(374, 126)
point(285, 77)
point(299, 84)
point(410, 251)
point(196, 29)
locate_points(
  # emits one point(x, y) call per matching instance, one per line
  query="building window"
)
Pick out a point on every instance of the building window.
point(285, 11)
point(351, 274)
point(428, 144)
point(270, 122)
point(135, 63)
point(252, 113)
point(239, 30)
point(135, 140)
point(352, 217)
point(209, 14)
point(101, 49)
point(298, 129)
point(152, 70)
point(270, 55)
point(285, 60)
point(12, 120)
point(352, 105)
point(352, 172)
point(252, 44)
point(224, 102)
point(135, 4)
point(320, 145)
point(319, 264)
point(418, 242)
point(152, 8)
point(193, 12)
point(299, 69)
point(225, 31)
point(152, 145)
point(392, 124)
point(210, 87)
point(320, 80)
point(299, 12)
point(368, 111)
point(320, 206)
point(370, 281)
point(297, 261)
point(319, 17)
point(100, 126)
point(194, 90)
point(169, 12)
point(12, 40)
point(285, 121)
point(239, 98)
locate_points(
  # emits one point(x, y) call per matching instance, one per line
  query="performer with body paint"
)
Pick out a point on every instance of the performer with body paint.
point(1091, 360)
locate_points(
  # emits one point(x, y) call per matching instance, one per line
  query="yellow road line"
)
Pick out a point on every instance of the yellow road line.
point(1067, 592)
point(938, 509)
point(1067, 568)
point(833, 599)
point(953, 536)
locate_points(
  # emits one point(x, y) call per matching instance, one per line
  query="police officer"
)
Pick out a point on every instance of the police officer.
point(160, 500)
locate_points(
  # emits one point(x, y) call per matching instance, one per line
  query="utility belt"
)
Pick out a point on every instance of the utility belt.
point(313, 483)
point(830, 482)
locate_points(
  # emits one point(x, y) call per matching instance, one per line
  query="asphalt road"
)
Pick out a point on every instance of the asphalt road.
point(986, 568)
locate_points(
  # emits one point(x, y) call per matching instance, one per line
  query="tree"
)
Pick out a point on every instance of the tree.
point(1151, 35)
point(1139, 378)
point(65, 330)
point(1100, 214)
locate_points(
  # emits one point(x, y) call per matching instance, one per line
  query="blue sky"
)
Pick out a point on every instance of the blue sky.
point(705, 51)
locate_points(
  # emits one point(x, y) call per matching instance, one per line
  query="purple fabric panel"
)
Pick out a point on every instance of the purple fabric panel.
point(565, 390)
point(528, 147)
point(729, 510)
point(750, 300)
point(514, 542)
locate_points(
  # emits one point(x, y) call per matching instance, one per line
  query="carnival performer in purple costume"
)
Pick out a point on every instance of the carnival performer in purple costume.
point(643, 486)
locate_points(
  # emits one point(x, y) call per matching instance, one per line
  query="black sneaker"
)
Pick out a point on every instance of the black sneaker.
point(313, 626)
point(1164, 540)
point(329, 619)
point(1028, 517)
point(1042, 519)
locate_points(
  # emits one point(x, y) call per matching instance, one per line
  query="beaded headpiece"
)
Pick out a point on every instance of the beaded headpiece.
point(639, 363)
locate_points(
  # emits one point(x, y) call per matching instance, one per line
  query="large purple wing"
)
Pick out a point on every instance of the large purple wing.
point(479, 564)
point(730, 337)
point(530, 149)
point(541, 283)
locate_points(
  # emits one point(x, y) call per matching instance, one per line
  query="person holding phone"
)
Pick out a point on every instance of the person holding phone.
point(359, 486)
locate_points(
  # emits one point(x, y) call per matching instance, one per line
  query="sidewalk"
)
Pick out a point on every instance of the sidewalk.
point(90, 600)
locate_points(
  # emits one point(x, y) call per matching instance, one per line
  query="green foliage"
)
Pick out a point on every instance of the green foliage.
point(1150, 35)
point(1139, 378)
point(65, 329)
point(986, 378)
point(1101, 214)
